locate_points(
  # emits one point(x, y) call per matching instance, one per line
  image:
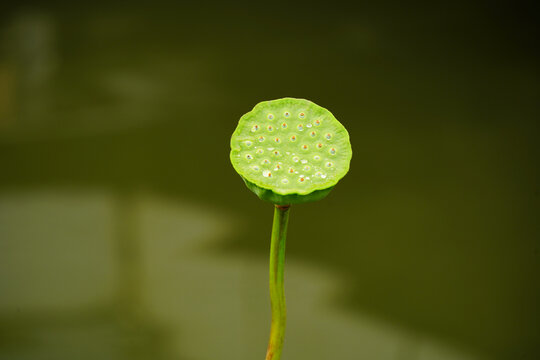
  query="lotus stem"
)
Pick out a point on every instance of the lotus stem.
point(277, 296)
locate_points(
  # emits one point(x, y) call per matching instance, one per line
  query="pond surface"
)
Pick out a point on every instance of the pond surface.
point(126, 234)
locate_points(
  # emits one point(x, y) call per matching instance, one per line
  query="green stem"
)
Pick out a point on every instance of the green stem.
point(277, 296)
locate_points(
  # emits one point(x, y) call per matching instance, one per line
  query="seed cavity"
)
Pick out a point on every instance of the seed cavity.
point(255, 167)
point(285, 181)
point(304, 161)
point(248, 143)
point(260, 151)
point(317, 157)
point(249, 157)
point(307, 168)
point(308, 126)
point(295, 159)
point(329, 164)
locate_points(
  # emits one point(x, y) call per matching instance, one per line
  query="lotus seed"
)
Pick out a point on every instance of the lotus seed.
point(249, 157)
point(304, 147)
point(312, 134)
point(329, 164)
point(265, 161)
point(270, 128)
point(306, 168)
point(316, 157)
point(277, 140)
point(255, 128)
point(332, 151)
point(270, 116)
point(287, 114)
point(261, 138)
point(248, 143)
point(284, 125)
point(317, 122)
point(328, 136)
point(293, 138)
point(301, 115)
point(319, 145)
point(267, 173)
point(259, 151)
point(300, 127)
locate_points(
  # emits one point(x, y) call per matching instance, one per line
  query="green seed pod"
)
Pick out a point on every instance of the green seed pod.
point(290, 151)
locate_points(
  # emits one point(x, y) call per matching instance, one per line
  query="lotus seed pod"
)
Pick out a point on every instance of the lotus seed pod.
point(290, 151)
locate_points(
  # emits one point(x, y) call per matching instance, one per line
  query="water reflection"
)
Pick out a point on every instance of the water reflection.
point(90, 274)
point(29, 65)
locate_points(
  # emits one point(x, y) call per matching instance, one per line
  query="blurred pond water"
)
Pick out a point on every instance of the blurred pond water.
point(113, 277)
point(125, 233)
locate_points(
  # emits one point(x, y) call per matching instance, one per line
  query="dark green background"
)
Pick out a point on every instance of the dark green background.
point(432, 235)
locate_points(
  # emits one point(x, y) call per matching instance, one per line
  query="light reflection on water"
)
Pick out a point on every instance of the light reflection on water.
point(90, 275)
